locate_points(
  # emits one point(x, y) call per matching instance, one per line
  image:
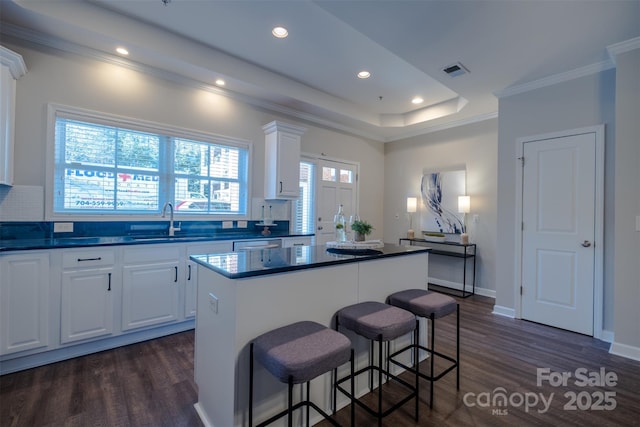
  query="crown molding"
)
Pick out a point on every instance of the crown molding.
point(13, 61)
point(619, 48)
point(555, 79)
point(450, 125)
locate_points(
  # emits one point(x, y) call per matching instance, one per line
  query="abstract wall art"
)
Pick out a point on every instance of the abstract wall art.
point(440, 191)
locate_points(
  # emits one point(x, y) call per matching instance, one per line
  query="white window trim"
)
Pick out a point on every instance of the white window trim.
point(53, 110)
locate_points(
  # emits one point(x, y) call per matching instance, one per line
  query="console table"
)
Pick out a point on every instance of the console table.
point(451, 249)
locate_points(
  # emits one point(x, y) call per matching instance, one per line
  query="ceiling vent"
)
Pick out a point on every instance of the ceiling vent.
point(455, 70)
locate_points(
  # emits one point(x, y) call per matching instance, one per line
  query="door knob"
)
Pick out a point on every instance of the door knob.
point(586, 243)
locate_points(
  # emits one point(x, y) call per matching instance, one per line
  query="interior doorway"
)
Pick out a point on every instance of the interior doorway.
point(336, 184)
point(561, 230)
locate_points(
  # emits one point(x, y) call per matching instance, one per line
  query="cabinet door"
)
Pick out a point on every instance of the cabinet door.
point(24, 302)
point(149, 294)
point(87, 304)
point(288, 172)
point(190, 290)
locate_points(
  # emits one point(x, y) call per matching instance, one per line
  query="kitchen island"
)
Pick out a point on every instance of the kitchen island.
point(244, 294)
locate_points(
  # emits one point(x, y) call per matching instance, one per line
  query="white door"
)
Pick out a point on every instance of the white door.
point(336, 185)
point(559, 214)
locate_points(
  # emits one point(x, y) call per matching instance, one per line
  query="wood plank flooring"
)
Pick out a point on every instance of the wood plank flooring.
point(151, 383)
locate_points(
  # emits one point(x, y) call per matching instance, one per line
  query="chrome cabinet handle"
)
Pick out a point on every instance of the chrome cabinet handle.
point(176, 279)
point(586, 243)
point(109, 288)
point(319, 227)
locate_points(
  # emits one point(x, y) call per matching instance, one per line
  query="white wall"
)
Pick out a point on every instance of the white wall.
point(68, 79)
point(627, 206)
point(581, 102)
point(473, 146)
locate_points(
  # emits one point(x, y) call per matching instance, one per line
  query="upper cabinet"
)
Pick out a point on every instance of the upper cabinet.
point(11, 69)
point(282, 160)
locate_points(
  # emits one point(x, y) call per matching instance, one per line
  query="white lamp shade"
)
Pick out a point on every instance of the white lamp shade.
point(464, 204)
point(412, 204)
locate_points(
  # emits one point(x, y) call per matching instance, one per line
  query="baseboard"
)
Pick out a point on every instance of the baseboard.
point(486, 292)
point(607, 336)
point(504, 311)
point(203, 416)
point(624, 350)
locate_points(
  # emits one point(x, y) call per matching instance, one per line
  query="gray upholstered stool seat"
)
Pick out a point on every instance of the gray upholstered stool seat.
point(423, 303)
point(301, 351)
point(376, 320)
point(298, 353)
point(431, 305)
point(380, 323)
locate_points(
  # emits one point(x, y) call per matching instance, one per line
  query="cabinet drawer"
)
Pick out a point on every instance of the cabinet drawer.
point(87, 258)
point(153, 253)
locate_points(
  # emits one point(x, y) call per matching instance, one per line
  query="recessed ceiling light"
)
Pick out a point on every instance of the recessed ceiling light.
point(122, 51)
point(417, 100)
point(364, 74)
point(220, 82)
point(280, 32)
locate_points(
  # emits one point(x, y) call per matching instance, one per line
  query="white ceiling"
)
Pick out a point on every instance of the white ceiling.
point(505, 44)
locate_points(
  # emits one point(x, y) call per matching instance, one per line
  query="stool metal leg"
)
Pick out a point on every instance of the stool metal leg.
point(416, 358)
point(433, 356)
point(308, 398)
point(251, 386)
point(379, 379)
point(290, 403)
point(458, 346)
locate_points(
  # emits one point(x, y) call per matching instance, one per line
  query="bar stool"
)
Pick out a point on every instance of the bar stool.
point(296, 354)
point(378, 322)
point(430, 305)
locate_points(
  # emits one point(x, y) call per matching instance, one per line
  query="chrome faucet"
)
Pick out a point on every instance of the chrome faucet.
point(172, 229)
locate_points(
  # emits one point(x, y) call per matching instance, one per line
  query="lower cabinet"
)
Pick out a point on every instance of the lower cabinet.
point(87, 293)
point(151, 281)
point(24, 301)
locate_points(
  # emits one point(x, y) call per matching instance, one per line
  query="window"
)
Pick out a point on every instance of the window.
point(102, 166)
point(304, 206)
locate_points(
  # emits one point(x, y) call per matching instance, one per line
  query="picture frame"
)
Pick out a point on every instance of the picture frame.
point(439, 190)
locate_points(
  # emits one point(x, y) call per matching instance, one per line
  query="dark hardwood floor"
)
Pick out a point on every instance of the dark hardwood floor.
point(151, 383)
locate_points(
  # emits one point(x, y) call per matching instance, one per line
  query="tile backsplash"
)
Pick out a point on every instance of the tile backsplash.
point(22, 203)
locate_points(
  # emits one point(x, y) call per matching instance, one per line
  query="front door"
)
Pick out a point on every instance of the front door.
point(337, 185)
point(558, 231)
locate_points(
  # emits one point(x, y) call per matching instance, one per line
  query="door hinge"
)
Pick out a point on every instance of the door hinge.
point(522, 226)
point(521, 290)
point(521, 160)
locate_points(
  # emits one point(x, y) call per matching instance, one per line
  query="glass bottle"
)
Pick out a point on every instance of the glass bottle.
point(340, 225)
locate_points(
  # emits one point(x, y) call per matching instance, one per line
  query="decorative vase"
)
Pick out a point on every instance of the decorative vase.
point(340, 224)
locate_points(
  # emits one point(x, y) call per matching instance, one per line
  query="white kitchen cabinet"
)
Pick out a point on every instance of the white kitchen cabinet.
point(11, 69)
point(282, 160)
point(24, 301)
point(89, 282)
point(151, 282)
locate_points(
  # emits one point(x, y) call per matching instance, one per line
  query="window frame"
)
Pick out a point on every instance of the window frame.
point(100, 118)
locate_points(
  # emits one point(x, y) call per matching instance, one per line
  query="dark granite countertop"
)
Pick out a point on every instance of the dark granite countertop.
point(75, 242)
point(236, 265)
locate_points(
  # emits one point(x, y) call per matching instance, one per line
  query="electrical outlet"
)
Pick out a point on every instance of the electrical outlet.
point(475, 218)
point(213, 303)
point(63, 227)
point(227, 224)
point(242, 224)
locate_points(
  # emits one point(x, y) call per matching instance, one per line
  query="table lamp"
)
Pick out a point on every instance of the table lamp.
point(412, 207)
point(464, 207)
